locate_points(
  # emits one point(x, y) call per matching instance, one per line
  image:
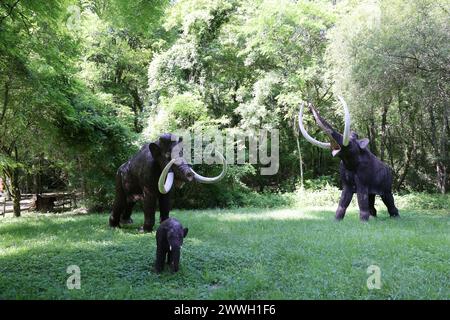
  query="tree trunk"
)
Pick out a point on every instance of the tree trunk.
point(15, 189)
point(8, 189)
point(383, 129)
point(300, 162)
point(441, 171)
point(84, 187)
point(5, 98)
point(439, 148)
point(409, 155)
point(372, 133)
point(441, 167)
point(137, 107)
point(15, 192)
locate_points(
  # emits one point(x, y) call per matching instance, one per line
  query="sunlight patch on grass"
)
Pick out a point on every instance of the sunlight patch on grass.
point(283, 214)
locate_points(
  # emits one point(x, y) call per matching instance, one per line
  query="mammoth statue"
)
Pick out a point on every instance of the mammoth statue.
point(149, 176)
point(360, 170)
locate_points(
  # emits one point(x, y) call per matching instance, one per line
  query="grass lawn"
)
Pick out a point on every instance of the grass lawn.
point(296, 253)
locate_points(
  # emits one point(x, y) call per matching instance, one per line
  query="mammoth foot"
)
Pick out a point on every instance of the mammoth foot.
point(395, 216)
point(113, 223)
point(364, 216)
point(126, 221)
point(144, 229)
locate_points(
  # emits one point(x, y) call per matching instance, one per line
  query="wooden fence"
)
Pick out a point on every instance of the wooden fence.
point(46, 202)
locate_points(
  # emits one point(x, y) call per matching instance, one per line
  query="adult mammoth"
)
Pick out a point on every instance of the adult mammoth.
point(360, 170)
point(149, 176)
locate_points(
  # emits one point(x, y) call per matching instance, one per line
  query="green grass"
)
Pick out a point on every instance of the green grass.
point(296, 253)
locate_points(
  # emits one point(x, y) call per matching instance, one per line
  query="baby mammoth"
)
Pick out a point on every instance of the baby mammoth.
point(169, 241)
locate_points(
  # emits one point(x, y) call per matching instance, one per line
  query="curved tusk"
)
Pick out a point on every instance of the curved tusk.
point(202, 179)
point(325, 145)
point(346, 135)
point(164, 185)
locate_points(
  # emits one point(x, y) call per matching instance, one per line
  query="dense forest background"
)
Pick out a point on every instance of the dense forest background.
point(83, 84)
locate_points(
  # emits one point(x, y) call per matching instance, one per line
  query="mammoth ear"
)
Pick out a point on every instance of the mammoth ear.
point(154, 149)
point(363, 143)
point(185, 232)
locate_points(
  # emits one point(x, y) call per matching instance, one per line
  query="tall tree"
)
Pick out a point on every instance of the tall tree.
point(391, 58)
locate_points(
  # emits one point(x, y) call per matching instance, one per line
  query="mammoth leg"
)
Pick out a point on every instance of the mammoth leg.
point(120, 201)
point(169, 257)
point(346, 198)
point(373, 211)
point(363, 203)
point(149, 213)
point(388, 200)
point(164, 206)
point(126, 216)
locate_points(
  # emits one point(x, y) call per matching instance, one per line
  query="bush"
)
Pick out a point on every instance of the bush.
point(268, 200)
point(240, 196)
point(423, 201)
point(319, 183)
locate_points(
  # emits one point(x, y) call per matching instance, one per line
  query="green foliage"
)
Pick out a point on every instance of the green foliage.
point(139, 17)
point(80, 93)
point(230, 254)
point(424, 201)
point(317, 184)
point(248, 64)
point(186, 109)
point(390, 58)
point(267, 200)
point(72, 95)
point(100, 142)
point(230, 192)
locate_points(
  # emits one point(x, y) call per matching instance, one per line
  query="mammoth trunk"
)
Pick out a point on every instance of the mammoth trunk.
point(174, 263)
point(337, 140)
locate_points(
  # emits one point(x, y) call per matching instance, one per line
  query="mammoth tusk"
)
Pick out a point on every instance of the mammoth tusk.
point(202, 179)
point(346, 135)
point(325, 145)
point(164, 185)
